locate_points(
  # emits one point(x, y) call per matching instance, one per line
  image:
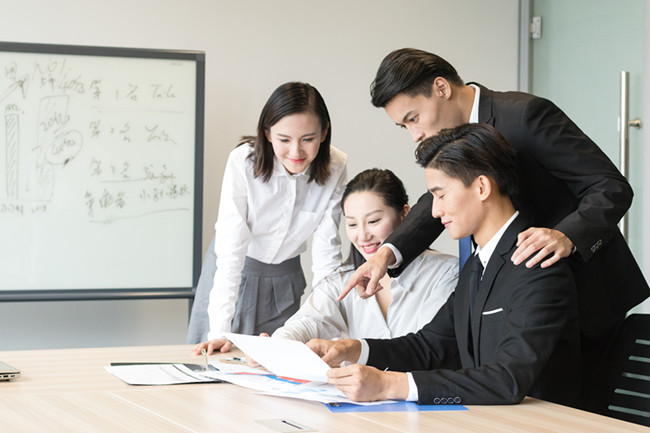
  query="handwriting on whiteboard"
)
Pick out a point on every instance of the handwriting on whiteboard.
point(111, 144)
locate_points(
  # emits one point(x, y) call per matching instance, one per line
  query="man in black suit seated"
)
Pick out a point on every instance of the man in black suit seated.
point(515, 329)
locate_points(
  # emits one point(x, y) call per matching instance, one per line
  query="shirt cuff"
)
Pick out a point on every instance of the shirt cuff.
point(413, 389)
point(363, 356)
point(398, 256)
point(363, 360)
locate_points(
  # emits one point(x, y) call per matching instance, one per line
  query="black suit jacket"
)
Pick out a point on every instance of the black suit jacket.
point(526, 337)
point(567, 183)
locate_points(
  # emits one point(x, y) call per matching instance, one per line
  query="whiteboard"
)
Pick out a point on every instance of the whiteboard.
point(101, 155)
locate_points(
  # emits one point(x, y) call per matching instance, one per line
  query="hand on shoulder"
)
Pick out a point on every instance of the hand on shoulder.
point(545, 242)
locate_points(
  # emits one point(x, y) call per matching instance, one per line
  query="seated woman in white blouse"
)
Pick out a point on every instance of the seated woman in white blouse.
point(374, 204)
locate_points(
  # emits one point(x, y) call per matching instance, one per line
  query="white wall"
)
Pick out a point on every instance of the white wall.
point(252, 47)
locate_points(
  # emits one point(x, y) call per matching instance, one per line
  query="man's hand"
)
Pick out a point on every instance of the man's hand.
point(363, 383)
point(366, 277)
point(337, 351)
point(546, 241)
point(212, 346)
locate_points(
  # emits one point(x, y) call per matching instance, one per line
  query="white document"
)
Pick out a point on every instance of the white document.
point(158, 374)
point(288, 358)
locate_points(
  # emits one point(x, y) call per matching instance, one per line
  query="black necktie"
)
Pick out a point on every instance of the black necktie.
point(476, 271)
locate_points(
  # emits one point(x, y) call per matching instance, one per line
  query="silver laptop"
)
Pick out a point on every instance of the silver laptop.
point(8, 372)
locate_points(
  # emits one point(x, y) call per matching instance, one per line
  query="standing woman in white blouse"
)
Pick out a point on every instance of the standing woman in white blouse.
point(279, 188)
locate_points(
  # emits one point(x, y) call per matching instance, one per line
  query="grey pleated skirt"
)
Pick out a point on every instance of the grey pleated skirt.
point(268, 296)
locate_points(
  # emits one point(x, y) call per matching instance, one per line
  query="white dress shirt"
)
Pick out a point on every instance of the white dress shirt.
point(473, 115)
point(271, 222)
point(417, 295)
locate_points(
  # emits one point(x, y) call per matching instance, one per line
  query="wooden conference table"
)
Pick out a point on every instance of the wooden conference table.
point(69, 391)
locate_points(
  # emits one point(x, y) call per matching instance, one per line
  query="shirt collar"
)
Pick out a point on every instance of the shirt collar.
point(473, 116)
point(485, 253)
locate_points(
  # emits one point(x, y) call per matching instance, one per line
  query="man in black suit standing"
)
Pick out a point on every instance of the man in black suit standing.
point(514, 329)
point(572, 194)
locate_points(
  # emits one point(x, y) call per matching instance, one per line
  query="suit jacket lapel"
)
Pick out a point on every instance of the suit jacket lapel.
point(494, 265)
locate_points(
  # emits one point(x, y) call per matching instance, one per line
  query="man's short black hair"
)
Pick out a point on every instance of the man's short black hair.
point(468, 151)
point(412, 72)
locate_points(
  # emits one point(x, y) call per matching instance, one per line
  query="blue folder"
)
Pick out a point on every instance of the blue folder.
point(397, 406)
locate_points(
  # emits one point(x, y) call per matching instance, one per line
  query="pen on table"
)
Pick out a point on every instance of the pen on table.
point(205, 356)
point(234, 360)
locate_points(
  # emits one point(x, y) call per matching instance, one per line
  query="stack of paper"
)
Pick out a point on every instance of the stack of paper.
point(297, 371)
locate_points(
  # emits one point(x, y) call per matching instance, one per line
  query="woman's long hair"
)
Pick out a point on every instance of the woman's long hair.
point(290, 98)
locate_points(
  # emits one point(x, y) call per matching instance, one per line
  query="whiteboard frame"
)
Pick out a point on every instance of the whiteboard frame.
point(125, 293)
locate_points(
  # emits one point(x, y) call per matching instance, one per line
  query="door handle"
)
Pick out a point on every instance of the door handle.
point(624, 138)
point(635, 123)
